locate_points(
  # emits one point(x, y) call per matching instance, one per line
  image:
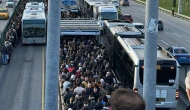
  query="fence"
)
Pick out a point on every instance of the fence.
point(3, 34)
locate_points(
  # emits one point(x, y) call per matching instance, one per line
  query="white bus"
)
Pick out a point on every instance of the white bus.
point(34, 26)
point(34, 5)
point(126, 54)
point(100, 11)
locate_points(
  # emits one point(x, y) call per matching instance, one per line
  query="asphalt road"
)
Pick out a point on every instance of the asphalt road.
point(4, 22)
point(21, 81)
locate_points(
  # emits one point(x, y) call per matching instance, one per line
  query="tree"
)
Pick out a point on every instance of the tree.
point(174, 3)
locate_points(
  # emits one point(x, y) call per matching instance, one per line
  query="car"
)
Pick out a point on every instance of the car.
point(115, 3)
point(10, 3)
point(124, 2)
point(139, 26)
point(160, 25)
point(180, 54)
point(4, 13)
point(126, 17)
point(1, 1)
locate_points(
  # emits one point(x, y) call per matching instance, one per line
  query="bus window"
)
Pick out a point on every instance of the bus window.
point(166, 74)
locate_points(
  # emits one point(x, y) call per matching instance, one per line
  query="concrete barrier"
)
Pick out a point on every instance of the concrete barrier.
point(187, 18)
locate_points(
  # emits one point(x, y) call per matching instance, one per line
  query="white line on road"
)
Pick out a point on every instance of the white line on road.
point(164, 42)
point(187, 40)
point(177, 35)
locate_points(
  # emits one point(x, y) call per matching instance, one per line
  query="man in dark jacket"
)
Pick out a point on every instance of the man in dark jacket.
point(4, 54)
point(68, 95)
point(9, 51)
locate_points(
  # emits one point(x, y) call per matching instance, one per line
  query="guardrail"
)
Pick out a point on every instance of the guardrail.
point(3, 34)
point(187, 18)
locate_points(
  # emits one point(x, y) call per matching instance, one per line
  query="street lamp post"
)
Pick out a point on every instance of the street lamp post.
point(179, 6)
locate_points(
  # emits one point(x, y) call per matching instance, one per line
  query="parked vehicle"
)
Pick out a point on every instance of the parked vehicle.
point(180, 54)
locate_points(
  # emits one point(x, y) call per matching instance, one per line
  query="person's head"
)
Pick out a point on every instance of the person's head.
point(95, 90)
point(86, 78)
point(126, 99)
point(67, 89)
point(89, 85)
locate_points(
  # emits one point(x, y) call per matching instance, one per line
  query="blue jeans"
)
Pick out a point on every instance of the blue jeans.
point(4, 58)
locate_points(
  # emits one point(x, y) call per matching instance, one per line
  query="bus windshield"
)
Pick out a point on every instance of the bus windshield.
point(166, 74)
point(34, 29)
point(109, 15)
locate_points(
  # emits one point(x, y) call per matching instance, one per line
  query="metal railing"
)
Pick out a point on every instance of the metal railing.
point(6, 29)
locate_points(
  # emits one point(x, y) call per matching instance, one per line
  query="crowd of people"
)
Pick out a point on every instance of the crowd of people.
point(86, 76)
point(13, 33)
point(87, 79)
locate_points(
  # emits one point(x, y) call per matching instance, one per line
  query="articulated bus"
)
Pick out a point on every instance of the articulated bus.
point(34, 26)
point(126, 54)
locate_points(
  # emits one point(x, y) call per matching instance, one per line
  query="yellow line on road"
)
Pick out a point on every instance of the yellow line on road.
point(43, 67)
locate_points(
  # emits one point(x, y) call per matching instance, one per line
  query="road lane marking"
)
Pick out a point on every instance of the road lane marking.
point(43, 78)
point(187, 40)
point(177, 35)
point(164, 42)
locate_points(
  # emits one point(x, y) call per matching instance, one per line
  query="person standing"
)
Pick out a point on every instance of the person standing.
point(172, 11)
point(9, 51)
point(4, 54)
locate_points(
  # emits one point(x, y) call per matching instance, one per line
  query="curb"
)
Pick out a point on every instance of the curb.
point(183, 17)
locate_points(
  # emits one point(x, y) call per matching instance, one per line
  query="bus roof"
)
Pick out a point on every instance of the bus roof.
point(92, 2)
point(137, 49)
point(107, 8)
point(34, 4)
point(28, 14)
point(126, 32)
point(123, 23)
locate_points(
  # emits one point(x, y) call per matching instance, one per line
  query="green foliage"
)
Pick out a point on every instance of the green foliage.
point(168, 4)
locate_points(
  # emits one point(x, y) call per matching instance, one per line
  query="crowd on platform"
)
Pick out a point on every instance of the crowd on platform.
point(13, 33)
point(85, 74)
